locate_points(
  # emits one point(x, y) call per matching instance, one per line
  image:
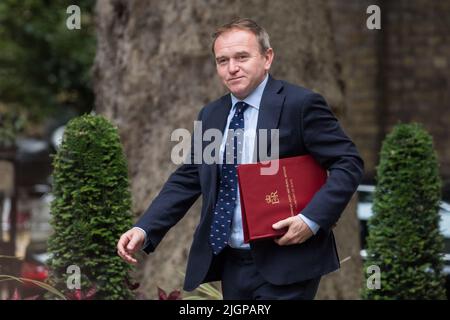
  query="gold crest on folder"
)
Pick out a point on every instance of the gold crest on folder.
point(272, 198)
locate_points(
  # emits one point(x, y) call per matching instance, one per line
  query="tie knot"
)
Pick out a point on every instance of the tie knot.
point(241, 107)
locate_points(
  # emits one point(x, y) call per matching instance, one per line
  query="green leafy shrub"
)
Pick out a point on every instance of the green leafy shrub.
point(404, 239)
point(11, 124)
point(92, 208)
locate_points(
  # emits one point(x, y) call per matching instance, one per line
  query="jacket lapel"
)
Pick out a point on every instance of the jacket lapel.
point(218, 121)
point(219, 117)
point(269, 112)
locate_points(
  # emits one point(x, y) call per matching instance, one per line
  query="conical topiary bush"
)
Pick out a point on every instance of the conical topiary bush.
point(404, 239)
point(91, 209)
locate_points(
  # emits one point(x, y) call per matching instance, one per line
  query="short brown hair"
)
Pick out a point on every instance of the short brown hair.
point(244, 24)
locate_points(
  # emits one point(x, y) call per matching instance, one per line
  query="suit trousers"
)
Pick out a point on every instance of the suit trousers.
point(242, 281)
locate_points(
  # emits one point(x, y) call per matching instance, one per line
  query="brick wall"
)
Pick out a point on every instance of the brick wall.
point(398, 73)
point(357, 48)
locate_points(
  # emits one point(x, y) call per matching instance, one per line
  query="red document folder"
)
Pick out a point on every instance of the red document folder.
point(266, 199)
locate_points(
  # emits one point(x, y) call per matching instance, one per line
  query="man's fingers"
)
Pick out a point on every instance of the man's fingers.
point(137, 239)
point(126, 256)
point(297, 233)
point(123, 241)
point(126, 245)
point(130, 259)
point(282, 223)
point(286, 239)
point(279, 241)
point(133, 243)
point(283, 241)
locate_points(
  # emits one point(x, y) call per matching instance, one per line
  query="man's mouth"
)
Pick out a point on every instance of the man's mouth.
point(233, 79)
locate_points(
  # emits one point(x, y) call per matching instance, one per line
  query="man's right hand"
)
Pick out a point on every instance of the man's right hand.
point(130, 242)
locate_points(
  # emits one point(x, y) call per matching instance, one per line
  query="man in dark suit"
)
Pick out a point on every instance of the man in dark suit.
point(291, 266)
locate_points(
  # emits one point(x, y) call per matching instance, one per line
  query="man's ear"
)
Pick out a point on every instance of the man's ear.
point(269, 55)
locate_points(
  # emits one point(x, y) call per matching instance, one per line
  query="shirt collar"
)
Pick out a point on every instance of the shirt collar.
point(254, 98)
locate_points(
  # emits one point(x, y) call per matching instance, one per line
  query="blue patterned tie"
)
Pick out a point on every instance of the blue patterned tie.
point(226, 200)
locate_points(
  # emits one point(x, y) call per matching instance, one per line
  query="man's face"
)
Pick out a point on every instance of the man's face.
point(239, 62)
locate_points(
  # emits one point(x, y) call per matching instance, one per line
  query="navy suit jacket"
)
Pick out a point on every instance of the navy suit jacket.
point(306, 126)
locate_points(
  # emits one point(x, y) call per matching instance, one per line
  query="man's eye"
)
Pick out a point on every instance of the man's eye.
point(242, 58)
point(221, 61)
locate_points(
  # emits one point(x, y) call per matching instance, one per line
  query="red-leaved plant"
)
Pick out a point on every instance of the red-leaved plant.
point(90, 294)
point(174, 295)
point(80, 295)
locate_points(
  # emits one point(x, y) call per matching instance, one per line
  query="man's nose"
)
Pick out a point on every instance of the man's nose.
point(233, 66)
